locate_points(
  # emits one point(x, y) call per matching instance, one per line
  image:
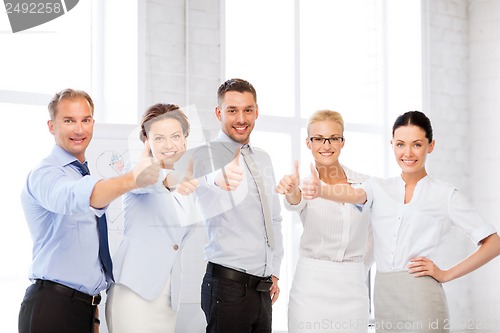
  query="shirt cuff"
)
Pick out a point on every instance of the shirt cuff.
point(298, 207)
point(482, 232)
point(210, 182)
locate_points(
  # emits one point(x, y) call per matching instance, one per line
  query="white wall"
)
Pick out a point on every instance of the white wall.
point(484, 101)
point(461, 84)
point(445, 90)
point(183, 66)
point(183, 56)
point(461, 89)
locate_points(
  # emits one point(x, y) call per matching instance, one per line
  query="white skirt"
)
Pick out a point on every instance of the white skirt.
point(328, 297)
point(404, 303)
point(127, 312)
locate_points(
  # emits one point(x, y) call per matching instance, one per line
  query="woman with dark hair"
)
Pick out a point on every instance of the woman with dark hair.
point(411, 215)
point(145, 297)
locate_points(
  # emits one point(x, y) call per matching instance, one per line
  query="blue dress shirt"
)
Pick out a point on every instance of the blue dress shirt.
point(56, 203)
point(235, 220)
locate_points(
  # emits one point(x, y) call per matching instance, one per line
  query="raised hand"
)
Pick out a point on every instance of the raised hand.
point(147, 170)
point(229, 178)
point(188, 184)
point(311, 186)
point(289, 186)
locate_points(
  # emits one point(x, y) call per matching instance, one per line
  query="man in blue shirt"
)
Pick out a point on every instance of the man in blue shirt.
point(242, 216)
point(62, 204)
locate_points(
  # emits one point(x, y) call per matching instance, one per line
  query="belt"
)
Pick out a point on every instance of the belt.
point(234, 275)
point(91, 300)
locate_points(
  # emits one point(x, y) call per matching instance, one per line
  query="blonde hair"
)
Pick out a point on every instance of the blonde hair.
point(323, 115)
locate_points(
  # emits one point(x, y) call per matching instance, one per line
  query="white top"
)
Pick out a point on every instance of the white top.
point(335, 231)
point(404, 231)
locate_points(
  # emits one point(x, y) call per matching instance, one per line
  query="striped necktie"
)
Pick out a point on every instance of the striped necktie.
point(256, 174)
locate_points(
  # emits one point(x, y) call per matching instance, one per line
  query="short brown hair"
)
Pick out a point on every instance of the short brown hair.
point(163, 111)
point(238, 85)
point(68, 94)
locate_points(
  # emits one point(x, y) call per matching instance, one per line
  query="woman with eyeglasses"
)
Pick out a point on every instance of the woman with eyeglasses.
point(411, 216)
point(329, 291)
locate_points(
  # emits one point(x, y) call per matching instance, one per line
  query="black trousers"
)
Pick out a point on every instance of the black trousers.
point(45, 310)
point(232, 307)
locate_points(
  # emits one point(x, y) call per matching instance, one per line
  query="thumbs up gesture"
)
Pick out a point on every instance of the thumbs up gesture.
point(187, 184)
point(289, 185)
point(311, 186)
point(147, 170)
point(229, 178)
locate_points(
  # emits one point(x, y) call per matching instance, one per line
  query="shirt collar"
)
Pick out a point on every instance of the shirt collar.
point(423, 180)
point(222, 137)
point(62, 156)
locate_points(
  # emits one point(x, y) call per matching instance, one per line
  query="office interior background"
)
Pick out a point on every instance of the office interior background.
point(371, 60)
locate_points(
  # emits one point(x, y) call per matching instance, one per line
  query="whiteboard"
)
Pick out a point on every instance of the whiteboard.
point(107, 155)
point(112, 147)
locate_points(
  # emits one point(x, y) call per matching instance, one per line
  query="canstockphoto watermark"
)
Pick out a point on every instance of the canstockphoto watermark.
point(26, 14)
point(331, 324)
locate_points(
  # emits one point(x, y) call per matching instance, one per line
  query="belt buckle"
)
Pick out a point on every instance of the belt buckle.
point(96, 300)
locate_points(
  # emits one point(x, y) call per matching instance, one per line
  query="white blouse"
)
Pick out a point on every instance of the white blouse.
point(404, 231)
point(335, 231)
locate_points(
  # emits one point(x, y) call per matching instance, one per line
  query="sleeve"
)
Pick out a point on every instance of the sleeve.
point(59, 193)
point(208, 162)
point(156, 187)
point(368, 187)
point(278, 251)
point(467, 219)
point(295, 208)
point(209, 182)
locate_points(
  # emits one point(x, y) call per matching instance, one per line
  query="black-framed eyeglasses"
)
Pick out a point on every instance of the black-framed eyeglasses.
point(319, 140)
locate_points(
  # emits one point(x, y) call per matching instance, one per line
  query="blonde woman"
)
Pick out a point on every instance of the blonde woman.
point(411, 215)
point(329, 291)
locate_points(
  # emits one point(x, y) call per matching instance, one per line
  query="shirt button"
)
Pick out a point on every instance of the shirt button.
point(175, 247)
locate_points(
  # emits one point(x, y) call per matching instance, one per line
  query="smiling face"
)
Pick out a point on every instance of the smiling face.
point(237, 113)
point(167, 141)
point(73, 126)
point(325, 153)
point(411, 147)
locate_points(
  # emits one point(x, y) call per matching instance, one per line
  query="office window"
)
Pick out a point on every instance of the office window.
point(70, 51)
point(360, 57)
point(35, 64)
point(259, 44)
